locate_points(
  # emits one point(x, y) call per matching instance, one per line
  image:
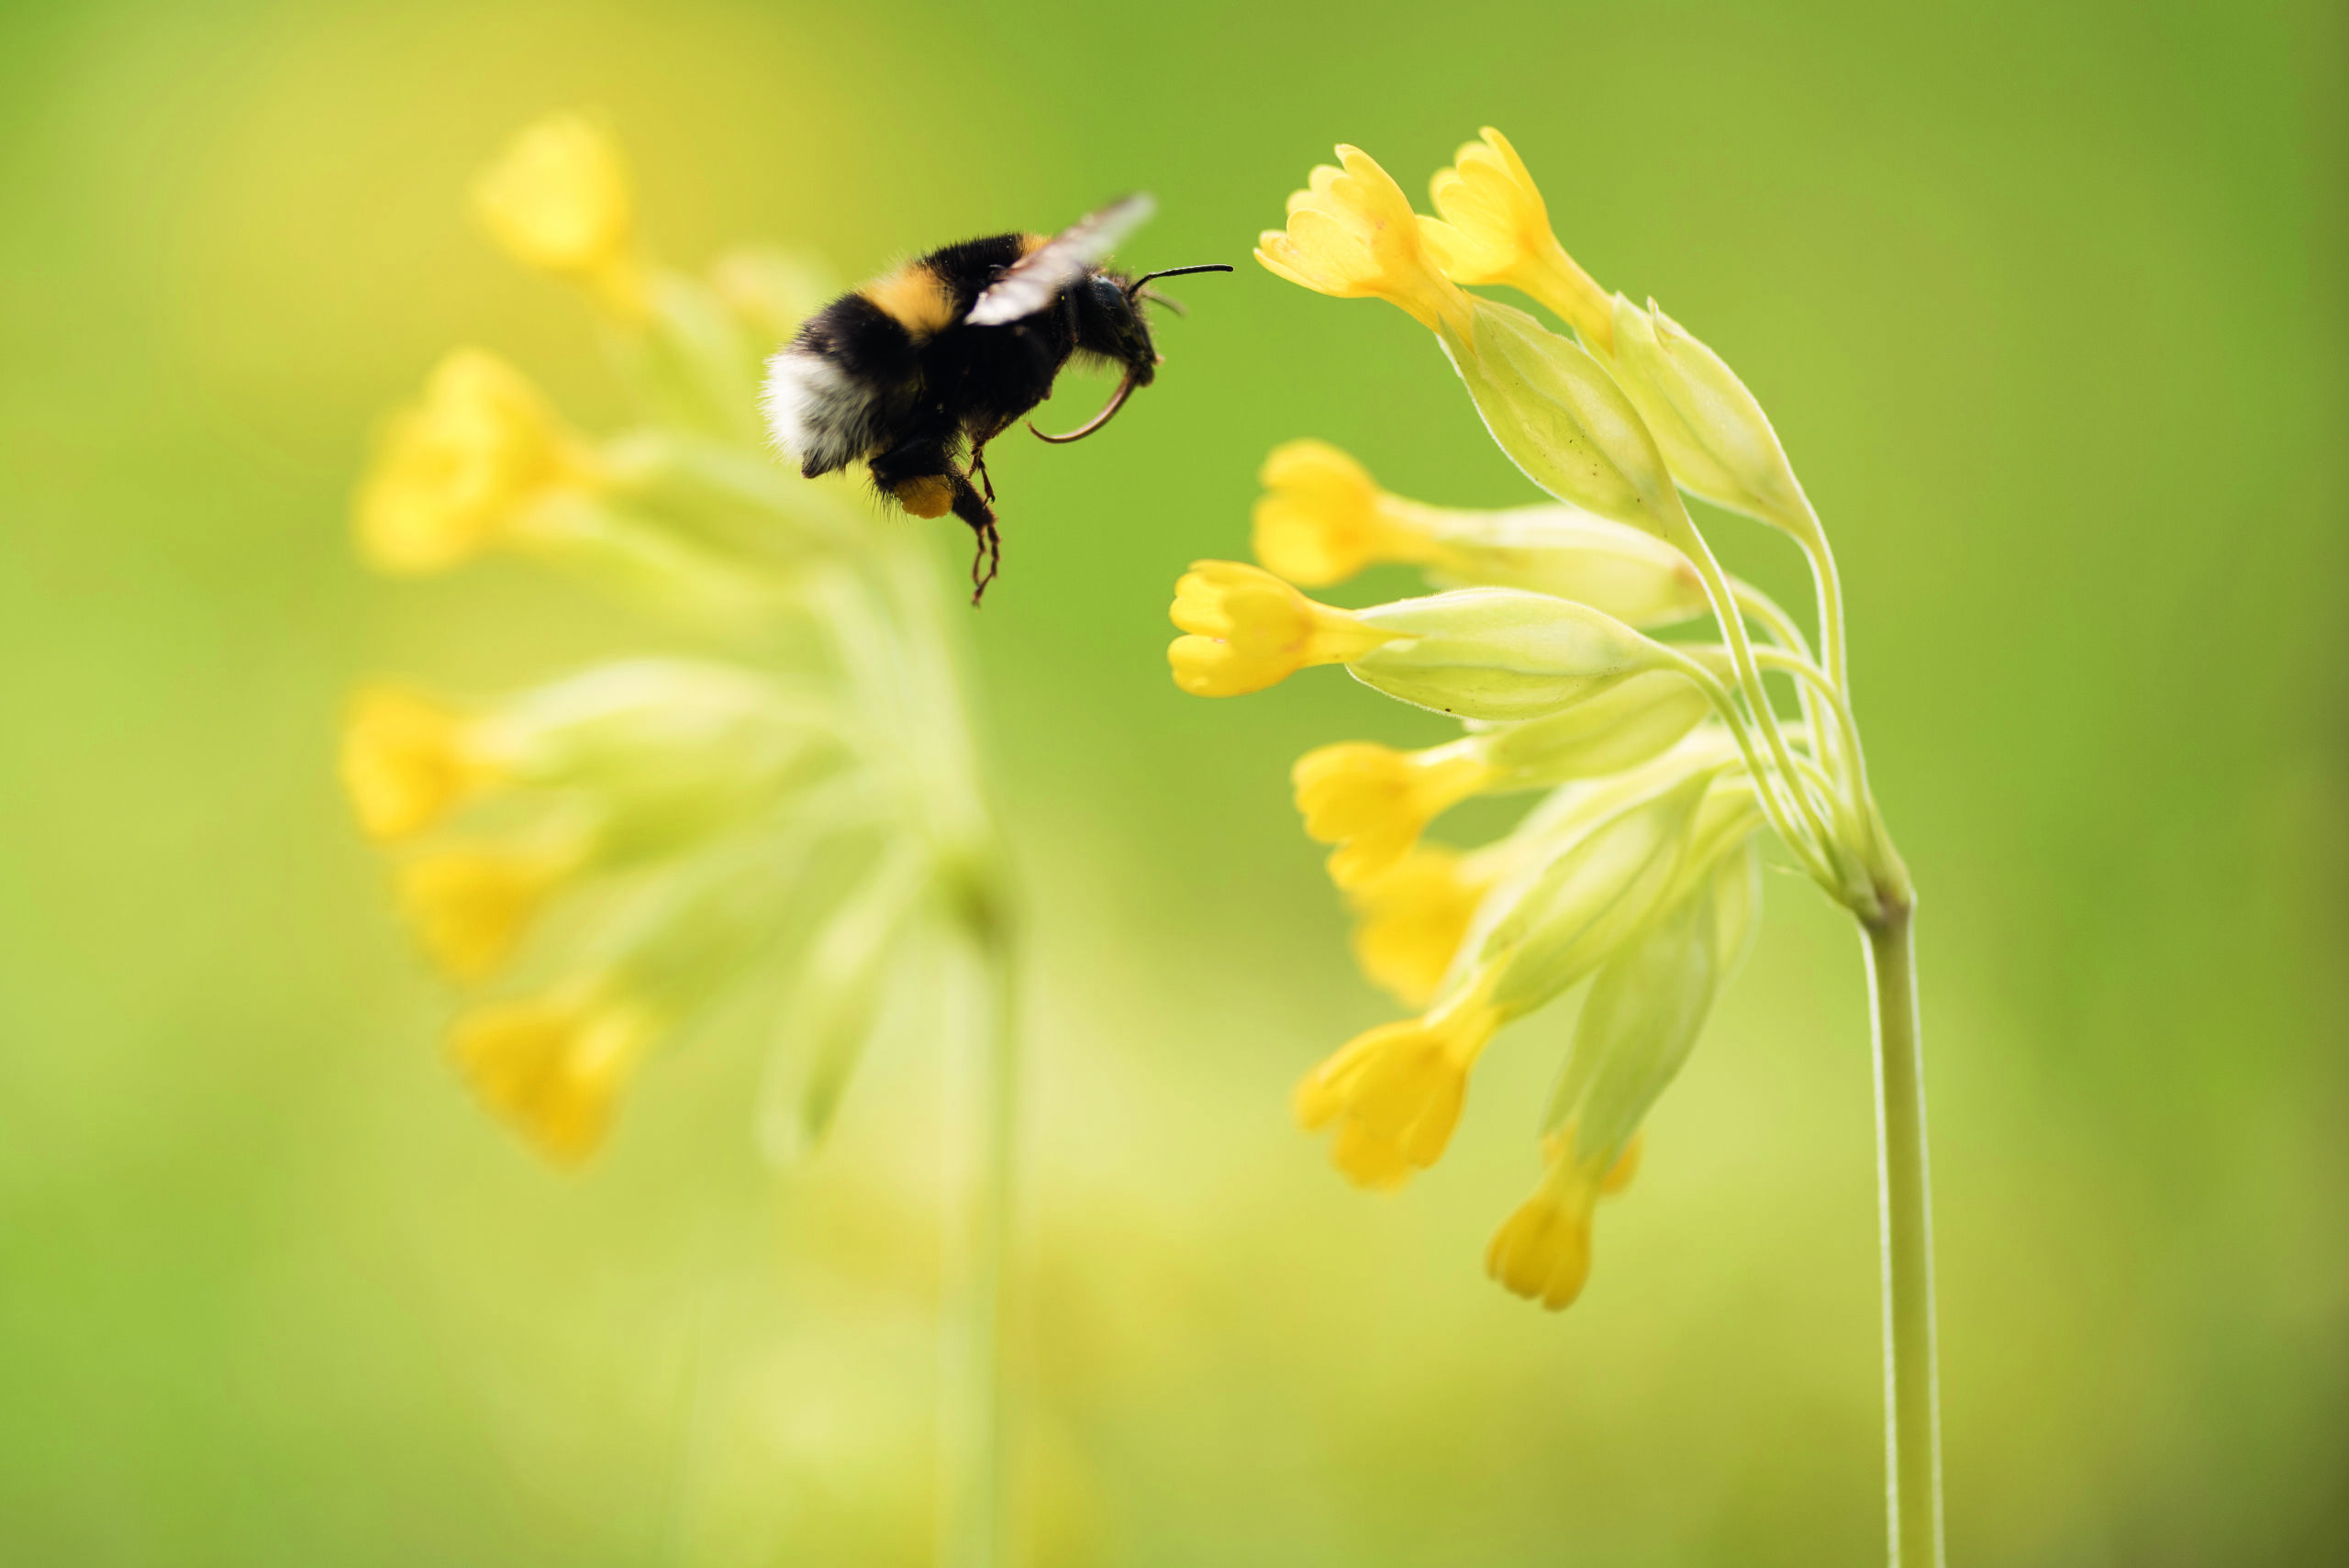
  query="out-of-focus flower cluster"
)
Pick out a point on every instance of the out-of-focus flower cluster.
point(784, 814)
point(1658, 762)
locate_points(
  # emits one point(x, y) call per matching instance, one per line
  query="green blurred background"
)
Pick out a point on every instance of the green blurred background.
point(2046, 300)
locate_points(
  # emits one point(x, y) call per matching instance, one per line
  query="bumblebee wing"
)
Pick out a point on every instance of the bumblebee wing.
point(1035, 278)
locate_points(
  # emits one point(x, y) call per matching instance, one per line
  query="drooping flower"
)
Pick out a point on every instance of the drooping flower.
point(1409, 920)
point(471, 906)
point(1374, 801)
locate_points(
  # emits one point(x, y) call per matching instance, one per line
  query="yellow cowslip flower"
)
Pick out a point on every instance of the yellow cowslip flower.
point(1374, 801)
point(553, 1066)
point(463, 466)
point(1250, 630)
point(408, 760)
point(1351, 234)
point(472, 906)
point(1543, 1249)
point(1408, 921)
point(1321, 517)
point(1394, 1093)
point(1495, 230)
point(558, 200)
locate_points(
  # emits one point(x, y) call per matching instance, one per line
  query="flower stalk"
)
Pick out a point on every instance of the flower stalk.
point(1637, 871)
point(803, 793)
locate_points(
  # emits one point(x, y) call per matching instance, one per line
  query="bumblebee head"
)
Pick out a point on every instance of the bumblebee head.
point(1109, 323)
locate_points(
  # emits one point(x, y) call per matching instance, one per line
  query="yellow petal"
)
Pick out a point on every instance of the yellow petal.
point(471, 906)
point(1250, 630)
point(558, 200)
point(552, 1068)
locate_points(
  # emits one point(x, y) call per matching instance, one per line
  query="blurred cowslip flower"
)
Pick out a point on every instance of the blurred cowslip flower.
point(463, 466)
point(766, 830)
point(558, 200)
point(604, 858)
point(1661, 762)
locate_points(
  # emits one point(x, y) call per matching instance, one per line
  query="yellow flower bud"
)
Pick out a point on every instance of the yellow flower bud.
point(1322, 519)
point(1374, 801)
point(1250, 630)
point(463, 467)
point(552, 1067)
point(1409, 922)
point(1395, 1092)
point(407, 761)
point(557, 200)
point(1351, 234)
point(471, 906)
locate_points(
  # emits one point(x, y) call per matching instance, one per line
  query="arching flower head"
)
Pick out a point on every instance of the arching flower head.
point(552, 1067)
point(1495, 230)
point(1393, 1094)
point(461, 467)
point(1249, 631)
point(1351, 234)
point(558, 200)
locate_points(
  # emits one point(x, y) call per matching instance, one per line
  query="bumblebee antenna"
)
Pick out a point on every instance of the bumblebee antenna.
point(1134, 287)
point(1117, 401)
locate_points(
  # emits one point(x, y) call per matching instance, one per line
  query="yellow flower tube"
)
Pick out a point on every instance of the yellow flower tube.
point(1248, 630)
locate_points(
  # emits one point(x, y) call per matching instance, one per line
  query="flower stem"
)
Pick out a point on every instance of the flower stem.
point(974, 1423)
point(1911, 1391)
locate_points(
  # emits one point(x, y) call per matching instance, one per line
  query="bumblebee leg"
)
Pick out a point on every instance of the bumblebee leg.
point(988, 557)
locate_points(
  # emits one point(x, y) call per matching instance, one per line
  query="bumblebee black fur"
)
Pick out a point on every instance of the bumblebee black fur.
point(894, 375)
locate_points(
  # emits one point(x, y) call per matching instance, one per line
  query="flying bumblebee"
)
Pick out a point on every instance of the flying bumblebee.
point(945, 353)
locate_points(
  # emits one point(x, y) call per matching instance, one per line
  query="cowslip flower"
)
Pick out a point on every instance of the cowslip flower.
point(558, 200)
point(1248, 630)
point(464, 465)
point(599, 861)
point(1666, 765)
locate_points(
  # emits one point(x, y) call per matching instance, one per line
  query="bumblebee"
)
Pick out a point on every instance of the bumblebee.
point(944, 354)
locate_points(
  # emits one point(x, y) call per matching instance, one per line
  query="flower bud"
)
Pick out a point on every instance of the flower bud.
point(1500, 653)
point(1562, 419)
point(1714, 436)
point(1543, 1251)
point(1323, 519)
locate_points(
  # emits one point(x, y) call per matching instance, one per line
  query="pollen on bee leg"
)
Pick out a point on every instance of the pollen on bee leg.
point(930, 495)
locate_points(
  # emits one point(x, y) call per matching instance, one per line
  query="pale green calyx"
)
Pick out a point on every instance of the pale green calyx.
point(1500, 653)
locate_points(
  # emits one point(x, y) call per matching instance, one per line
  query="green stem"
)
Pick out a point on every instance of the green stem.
point(1912, 1395)
point(976, 1419)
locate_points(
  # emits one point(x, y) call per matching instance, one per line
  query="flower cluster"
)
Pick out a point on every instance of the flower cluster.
point(602, 861)
point(1659, 763)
